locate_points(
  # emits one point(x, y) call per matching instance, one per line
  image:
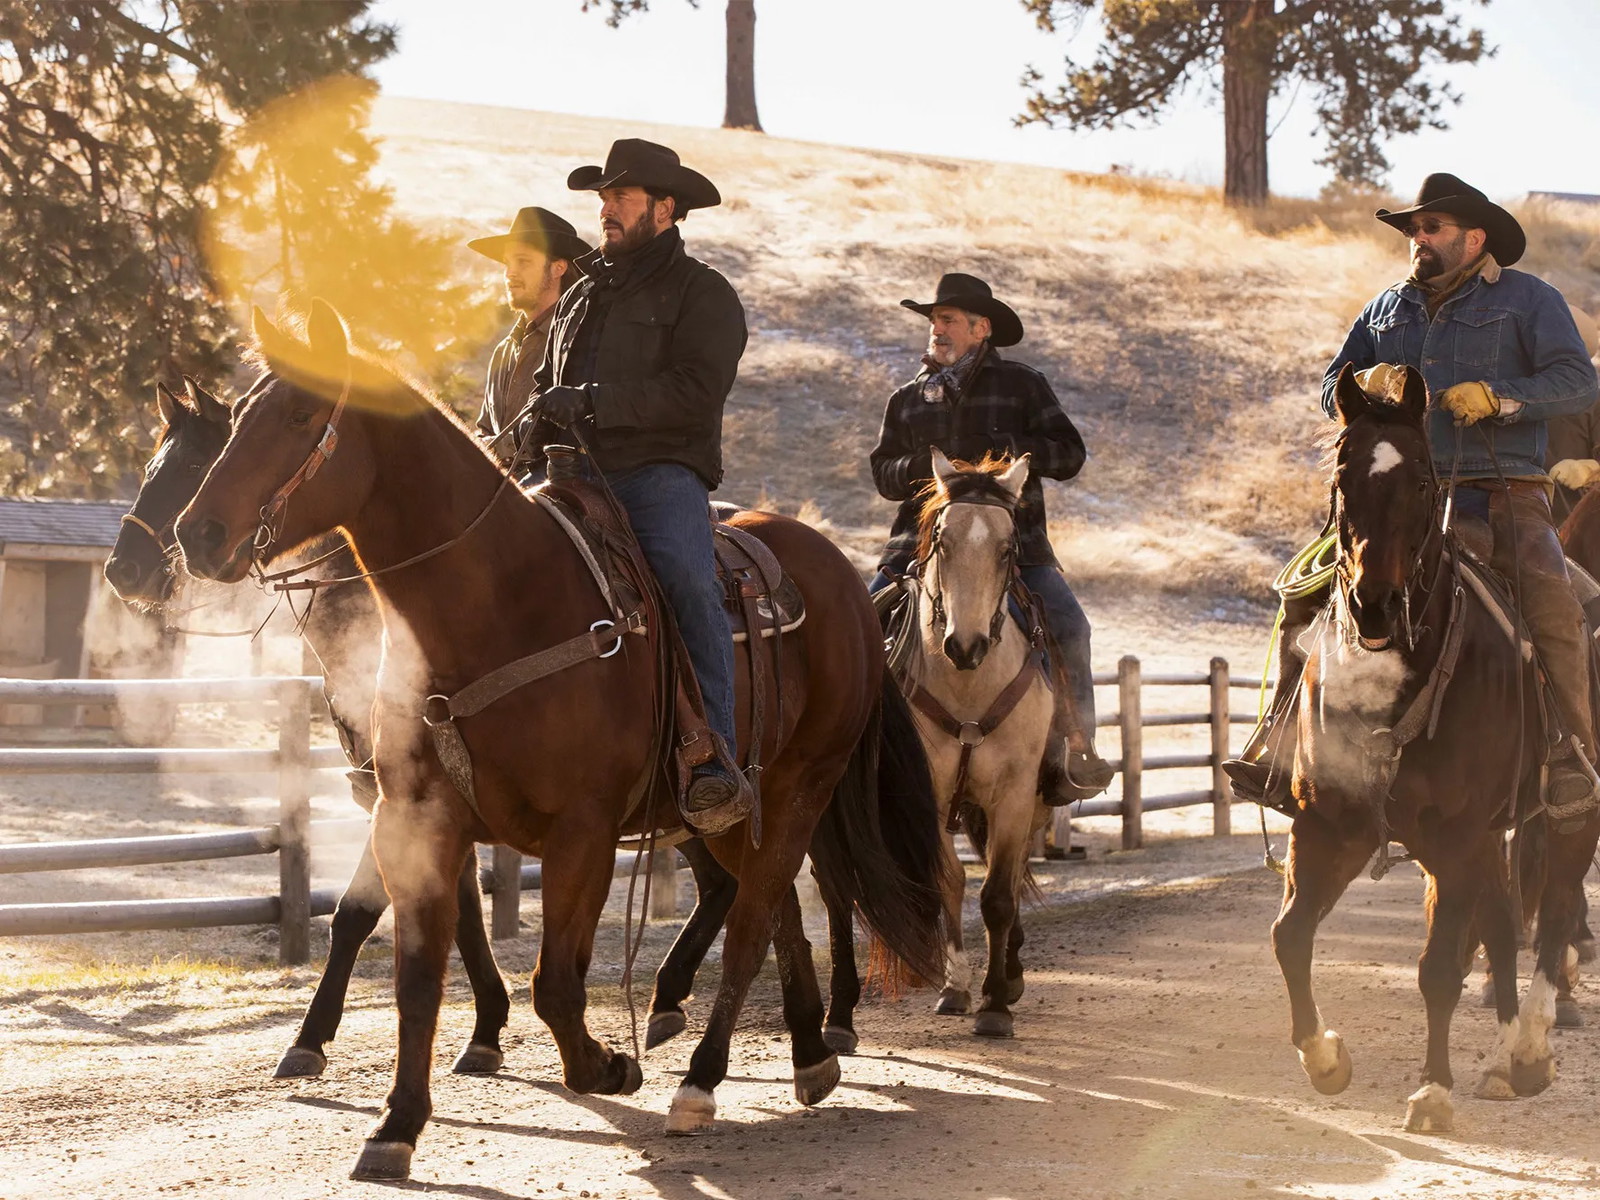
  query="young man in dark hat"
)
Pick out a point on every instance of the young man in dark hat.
point(969, 401)
point(642, 355)
point(537, 255)
point(1500, 354)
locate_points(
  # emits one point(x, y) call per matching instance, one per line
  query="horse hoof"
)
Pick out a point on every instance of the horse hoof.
point(1486, 996)
point(478, 1059)
point(1429, 1110)
point(953, 1003)
point(813, 1084)
point(1328, 1077)
point(298, 1062)
point(1531, 1078)
point(1495, 1085)
point(994, 1024)
point(383, 1160)
point(692, 1111)
point(1585, 949)
point(840, 1040)
point(623, 1077)
point(1014, 990)
point(1568, 1015)
point(663, 1027)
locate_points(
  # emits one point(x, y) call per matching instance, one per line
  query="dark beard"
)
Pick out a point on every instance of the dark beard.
point(633, 236)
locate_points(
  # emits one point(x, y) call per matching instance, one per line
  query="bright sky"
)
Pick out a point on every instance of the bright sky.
point(941, 76)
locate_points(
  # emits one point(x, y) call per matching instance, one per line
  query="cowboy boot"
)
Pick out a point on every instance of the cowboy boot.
point(1263, 773)
point(718, 795)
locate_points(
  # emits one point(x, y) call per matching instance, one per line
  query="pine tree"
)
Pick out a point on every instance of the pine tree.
point(1365, 63)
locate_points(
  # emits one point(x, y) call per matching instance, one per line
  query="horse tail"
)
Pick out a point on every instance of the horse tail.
point(878, 848)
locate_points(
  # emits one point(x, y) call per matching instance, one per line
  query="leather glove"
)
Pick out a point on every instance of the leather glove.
point(1469, 403)
point(1575, 473)
point(563, 405)
point(1375, 380)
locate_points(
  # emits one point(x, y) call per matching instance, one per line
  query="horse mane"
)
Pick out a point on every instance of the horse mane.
point(978, 480)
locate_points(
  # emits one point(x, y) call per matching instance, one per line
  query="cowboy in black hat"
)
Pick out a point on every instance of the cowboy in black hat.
point(537, 255)
point(969, 401)
point(1499, 352)
point(642, 355)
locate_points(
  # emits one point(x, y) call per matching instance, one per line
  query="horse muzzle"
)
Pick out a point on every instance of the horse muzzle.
point(204, 541)
point(1376, 613)
point(966, 657)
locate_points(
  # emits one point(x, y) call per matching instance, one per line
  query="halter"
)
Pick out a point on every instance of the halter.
point(272, 511)
point(162, 539)
point(997, 622)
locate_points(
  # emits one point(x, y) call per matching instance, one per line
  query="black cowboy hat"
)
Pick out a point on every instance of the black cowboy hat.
point(539, 228)
point(634, 162)
point(1443, 193)
point(971, 294)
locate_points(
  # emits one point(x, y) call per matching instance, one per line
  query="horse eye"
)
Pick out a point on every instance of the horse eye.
point(299, 419)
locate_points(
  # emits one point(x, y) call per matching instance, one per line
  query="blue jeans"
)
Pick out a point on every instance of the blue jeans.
point(1068, 625)
point(666, 504)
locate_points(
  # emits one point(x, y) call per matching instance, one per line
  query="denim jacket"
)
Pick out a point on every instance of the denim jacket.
point(1513, 333)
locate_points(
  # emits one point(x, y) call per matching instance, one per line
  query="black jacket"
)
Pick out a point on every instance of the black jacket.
point(1007, 408)
point(655, 339)
point(509, 382)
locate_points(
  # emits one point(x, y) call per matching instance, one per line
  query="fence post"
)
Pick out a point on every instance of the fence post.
point(1221, 797)
point(505, 904)
point(664, 883)
point(1132, 719)
point(294, 822)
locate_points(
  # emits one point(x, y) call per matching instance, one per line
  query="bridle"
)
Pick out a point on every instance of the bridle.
point(272, 511)
point(162, 538)
point(997, 622)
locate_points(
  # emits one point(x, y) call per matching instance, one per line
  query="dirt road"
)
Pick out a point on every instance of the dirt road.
point(1151, 1060)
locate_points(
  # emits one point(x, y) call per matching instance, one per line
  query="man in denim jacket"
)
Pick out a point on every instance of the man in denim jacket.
point(1501, 356)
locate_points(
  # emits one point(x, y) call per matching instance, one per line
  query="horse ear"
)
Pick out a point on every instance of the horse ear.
point(1413, 394)
point(1349, 401)
point(269, 339)
point(1015, 476)
point(204, 403)
point(167, 404)
point(327, 333)
point(944, 470)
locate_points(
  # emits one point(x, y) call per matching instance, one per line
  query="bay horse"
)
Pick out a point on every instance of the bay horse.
point(343, 629)
point(471, 575)
point(983, 707)
point(1410, 729)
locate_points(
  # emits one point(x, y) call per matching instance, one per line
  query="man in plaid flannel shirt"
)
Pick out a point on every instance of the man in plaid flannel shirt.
point(969, 401)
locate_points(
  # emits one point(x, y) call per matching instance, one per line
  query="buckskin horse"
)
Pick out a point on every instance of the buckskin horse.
point(1411, 729)
point(983, 707)
point(343, 628)
point(471, 575)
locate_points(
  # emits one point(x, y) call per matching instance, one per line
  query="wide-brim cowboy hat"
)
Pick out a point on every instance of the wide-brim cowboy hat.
point(1446, 194)
point(539, 228)
point(634, 162)
point(973, 295)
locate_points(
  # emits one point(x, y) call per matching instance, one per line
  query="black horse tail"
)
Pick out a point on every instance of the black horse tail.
point(878, 846)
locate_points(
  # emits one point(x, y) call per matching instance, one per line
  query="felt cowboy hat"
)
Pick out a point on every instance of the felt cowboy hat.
point(539, 228)
point(634, 162)
point(1449, 196)
point(971, 294)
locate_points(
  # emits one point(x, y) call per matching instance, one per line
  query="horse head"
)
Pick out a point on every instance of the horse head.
point(1386, 494)
point(194, 428)
point(267, 492)
point(968, 550)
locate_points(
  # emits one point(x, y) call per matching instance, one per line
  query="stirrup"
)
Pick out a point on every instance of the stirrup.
point(716, 801)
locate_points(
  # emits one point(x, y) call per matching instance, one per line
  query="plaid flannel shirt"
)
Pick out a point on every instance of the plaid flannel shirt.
point(1007, 408)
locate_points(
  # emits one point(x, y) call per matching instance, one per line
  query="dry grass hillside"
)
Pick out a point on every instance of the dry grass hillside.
point(1187, 341)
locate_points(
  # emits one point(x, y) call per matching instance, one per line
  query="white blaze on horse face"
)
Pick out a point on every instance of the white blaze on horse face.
point(973, 538)
point(1384, 458)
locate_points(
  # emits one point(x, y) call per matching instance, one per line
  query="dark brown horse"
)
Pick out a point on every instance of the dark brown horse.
point(471, 575)
point(1392, 747)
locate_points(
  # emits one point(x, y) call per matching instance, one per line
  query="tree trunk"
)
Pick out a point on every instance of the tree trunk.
point(1248, 45)
point(740, 112)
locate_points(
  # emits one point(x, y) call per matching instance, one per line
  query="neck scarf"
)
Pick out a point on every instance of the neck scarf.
point(1440, 289)
point(946, 384)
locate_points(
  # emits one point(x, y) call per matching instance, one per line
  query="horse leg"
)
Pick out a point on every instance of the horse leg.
point(1494, 925)
point(1014, 983)
point(574, 890)
point(491, 1002)
point(766, 876)
point(844, 981)
point(424, 849)
point(956, 996)
point(1322, 862)
point(1451, 899)
point(816, 1064)
point(1002, 886)
point(354, 919)
point(714, 891)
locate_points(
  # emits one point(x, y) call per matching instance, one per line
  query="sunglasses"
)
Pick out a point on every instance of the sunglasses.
point(1430, 226)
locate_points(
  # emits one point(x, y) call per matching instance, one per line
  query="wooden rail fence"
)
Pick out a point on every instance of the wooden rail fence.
point(504, 877)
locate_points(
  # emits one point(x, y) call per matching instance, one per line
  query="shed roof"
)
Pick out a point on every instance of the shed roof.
point(61, 522)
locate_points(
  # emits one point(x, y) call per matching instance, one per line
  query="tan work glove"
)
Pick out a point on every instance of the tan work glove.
point(1375, 381)
point(1575, 473)
point(1469, 403)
